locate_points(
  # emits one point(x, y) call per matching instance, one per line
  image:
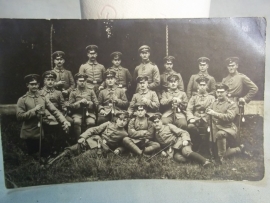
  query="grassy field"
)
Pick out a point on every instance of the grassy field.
point(22, 170)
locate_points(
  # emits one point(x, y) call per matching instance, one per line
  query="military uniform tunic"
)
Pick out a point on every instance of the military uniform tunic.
point(107, 95)
point(226, 112)
point(26, 113)
point(54, 96)
point(65, 75)
point(236, 84)
point(192, 88)
point(140, 129)
point(152, 106)
point(95, 73)
point(195, 103)
point(78, 94)
point(150, 70)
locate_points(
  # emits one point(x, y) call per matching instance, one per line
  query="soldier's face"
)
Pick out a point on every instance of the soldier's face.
point(203, 67)
point(232, 68)
point(110, 81)
point(168, 66)
point(221, 94)
point(92, 55)
point(33, 87)
point(202, 88)
point(145, 55)
point(157, 124)
point(121, 122)
point(49, 82)
point(173, 84)
point(116, 62)
point(141, 113)
point(81, 83)
point(58, 61)
point(143, 85)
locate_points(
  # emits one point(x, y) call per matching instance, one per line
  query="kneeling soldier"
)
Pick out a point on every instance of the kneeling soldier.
point(82, 97)
point(179, 140)
point(111, 100)
point(196, 116)
point(175, 103)
point(223, 111)
point(145, 96)
point(30, 108)
point(141, 133)
point(107, 136)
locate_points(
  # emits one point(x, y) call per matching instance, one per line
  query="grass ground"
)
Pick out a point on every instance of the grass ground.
point(22, 170)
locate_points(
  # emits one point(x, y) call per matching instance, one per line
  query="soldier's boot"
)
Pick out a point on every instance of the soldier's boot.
point(66, 153)
point(151, 149)
point(131, 146)
point(232, 151)
point(178, 157)
point(197, 157)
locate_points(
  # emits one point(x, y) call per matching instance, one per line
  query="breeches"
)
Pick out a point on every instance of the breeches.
point(179, 122)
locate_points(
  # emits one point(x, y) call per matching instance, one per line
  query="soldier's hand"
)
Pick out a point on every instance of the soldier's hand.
point(60, 82)
point(67, 104)
point(81, 140)
point(185, 143)
point(102, 112)
point(100, 88)
point(210, 111)
point(192, 120)
point(84, 101)
point(65, 92)
point(145, 101)
point(66, 126)
point(117, 151)
point(242, 100)
point(38, 107)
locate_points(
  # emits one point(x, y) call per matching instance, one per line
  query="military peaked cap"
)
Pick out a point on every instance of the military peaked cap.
point(110, 73)
point(58, 54)
point(201, 80)
point(144, 48)
point(32, 78)
point(91, 48)
point(231, 60)
point(168, 59)
point(116, 54)
point(49, 74)
point(203, 60)
point(155, 117)
point(122, 114)
point(141, 78)
point(221, 86)
point(173, 78)
point(80, 76)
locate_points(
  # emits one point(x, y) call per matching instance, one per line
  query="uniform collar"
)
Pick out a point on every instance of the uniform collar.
point(175, 91)
point(221, 102)
point(112, 89)
point(145, 92)
point(33, 95)
point(92, 63)
point(146, 62)
point(59, 70)
point(116, 68)
point(48, 90)
point(236, 73)
point(82, 90)
point(170, 73)
point(203, 74)
point(202, 95)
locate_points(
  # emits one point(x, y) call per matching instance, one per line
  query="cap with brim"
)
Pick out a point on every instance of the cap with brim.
point(173, 78)
point(60, 54)
point(202, 80)
point(203, 60)
point(31, 78)
point(156, 116)
point(49, 74)
point(110, 74)
point(116, 55)
point(231, 60)
point(168, 59)
point(122, 114)
point(221, 87)
point(141, 78)
point(80, 76)
point(144, 48)
point(91, 48)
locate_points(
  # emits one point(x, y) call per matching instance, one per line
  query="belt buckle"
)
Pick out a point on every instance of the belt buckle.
point(94, 82)
point(120, 85)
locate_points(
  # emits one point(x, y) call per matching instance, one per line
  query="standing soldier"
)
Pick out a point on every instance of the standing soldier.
point(111, 100)
point(81, 97)
point(237, 81)
point(196, 116)
point(141, 133)
point(29, 109)
point(122, 76)
point(192, 87)
point(64, 81)
point(147, 68)
point(168, 64)
point(93, 69)
point(223, 111)
point(107, 136)
point(175, 103)
point(179, 140)
point(145, 96)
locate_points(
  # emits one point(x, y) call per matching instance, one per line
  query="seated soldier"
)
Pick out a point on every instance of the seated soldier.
point(30, 108)
point(107, 136)
point(196, 116)
point(141, 133)
point(52, 126)
point(175, 102)
point(168, 64)
point(223, 111)
point(111, 100)
point(145, 96)
point(79, 99)
point(122, 75)
point(178, 139)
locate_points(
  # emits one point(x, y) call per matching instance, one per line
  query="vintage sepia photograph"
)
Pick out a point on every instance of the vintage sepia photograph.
point(99, 100)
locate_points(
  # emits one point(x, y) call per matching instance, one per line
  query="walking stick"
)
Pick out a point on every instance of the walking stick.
point(84, 109)
point(241, 112)
point(212, 137)
point(149, 159)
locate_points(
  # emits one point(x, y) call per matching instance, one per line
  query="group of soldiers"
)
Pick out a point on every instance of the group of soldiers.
point(160, 117)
